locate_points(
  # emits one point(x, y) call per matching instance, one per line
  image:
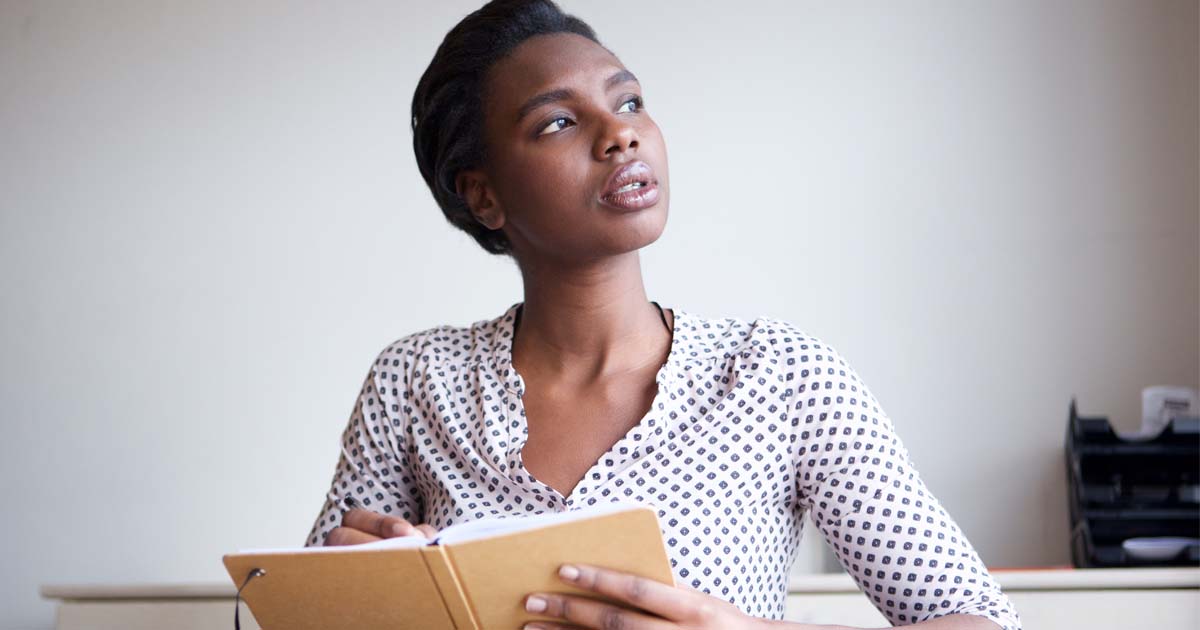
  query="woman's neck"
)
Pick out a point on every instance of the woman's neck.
point(586, 323)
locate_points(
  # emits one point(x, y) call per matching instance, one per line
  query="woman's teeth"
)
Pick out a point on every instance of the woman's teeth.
point(630, 186)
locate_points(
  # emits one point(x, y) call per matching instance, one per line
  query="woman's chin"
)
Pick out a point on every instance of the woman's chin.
point(636, 232)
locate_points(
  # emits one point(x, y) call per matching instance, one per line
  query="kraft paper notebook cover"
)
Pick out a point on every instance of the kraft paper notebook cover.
point(472, 576)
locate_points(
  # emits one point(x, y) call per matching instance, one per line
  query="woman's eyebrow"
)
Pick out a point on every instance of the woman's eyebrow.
point(562, 94)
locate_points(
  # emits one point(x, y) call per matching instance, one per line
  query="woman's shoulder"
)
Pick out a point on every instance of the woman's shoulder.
point(444, 345)
point(763, 334)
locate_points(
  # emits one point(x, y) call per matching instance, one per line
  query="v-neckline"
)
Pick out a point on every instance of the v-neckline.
point(645, 426)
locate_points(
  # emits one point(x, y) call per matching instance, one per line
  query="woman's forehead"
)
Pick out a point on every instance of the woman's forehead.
point(544, 63)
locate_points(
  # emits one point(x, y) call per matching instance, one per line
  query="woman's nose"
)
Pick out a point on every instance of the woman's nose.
point(617, 135)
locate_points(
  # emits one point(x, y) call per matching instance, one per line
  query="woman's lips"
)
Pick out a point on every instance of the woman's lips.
point(635, 199)
point(631, 187)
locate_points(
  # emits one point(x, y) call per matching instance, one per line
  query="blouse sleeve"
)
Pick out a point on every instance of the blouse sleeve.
point(373, 471)
point(889, 532)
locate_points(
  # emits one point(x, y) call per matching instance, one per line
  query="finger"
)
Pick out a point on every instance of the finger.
point(665, 601)
point(379, 524)
point(429, 530)
point(591, 613)
point(340, 536)
point(551, 625)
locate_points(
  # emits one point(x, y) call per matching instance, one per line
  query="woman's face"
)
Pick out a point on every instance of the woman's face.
point(551, 159)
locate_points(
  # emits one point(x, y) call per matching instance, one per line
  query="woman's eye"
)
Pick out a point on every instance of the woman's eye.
point(552, 124)
point(637, 100)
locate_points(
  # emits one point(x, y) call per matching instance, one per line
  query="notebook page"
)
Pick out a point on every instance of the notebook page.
point(404, 542)
point(495, 526)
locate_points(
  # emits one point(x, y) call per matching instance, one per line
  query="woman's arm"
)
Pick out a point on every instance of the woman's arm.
point(373, 473)
point(948, 622)
point(855, 479)
point(643, 604)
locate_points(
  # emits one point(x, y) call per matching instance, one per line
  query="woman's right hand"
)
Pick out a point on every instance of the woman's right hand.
point(364, 526)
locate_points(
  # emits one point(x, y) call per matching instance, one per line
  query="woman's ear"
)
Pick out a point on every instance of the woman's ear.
point(473, 187)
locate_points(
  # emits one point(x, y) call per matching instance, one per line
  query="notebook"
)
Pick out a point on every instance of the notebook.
point(471, 576)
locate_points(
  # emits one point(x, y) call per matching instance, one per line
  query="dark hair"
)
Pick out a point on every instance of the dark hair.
point(447, 106)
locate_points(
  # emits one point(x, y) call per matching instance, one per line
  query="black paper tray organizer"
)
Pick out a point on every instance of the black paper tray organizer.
point(1121, 489)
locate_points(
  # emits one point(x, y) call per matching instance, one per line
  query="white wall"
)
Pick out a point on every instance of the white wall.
point(211, 221)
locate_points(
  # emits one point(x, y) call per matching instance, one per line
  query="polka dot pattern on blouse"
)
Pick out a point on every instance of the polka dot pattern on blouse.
point(755, 425)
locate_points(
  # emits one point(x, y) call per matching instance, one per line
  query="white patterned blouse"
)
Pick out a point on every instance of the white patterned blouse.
point(755, 425)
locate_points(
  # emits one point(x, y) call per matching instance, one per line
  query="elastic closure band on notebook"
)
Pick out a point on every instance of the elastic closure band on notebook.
point(255, 572)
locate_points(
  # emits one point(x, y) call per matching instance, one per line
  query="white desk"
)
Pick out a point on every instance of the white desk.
point(1096, 599)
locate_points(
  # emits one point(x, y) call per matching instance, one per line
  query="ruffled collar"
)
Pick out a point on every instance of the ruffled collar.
point(685, 348)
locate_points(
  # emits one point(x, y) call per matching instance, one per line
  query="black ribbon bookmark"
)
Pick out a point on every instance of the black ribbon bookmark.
point(255, 572)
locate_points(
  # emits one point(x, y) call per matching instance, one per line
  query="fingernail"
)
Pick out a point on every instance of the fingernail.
point(535, 604)
point(399, 529)
point(532, 626)
point(568, 572)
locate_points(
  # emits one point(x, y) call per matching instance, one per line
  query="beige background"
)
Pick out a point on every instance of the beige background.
point(211, 221)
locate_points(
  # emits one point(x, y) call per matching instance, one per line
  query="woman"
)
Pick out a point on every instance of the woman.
point(533, 138)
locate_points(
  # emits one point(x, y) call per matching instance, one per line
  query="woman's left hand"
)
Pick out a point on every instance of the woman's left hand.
point(649, 605)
